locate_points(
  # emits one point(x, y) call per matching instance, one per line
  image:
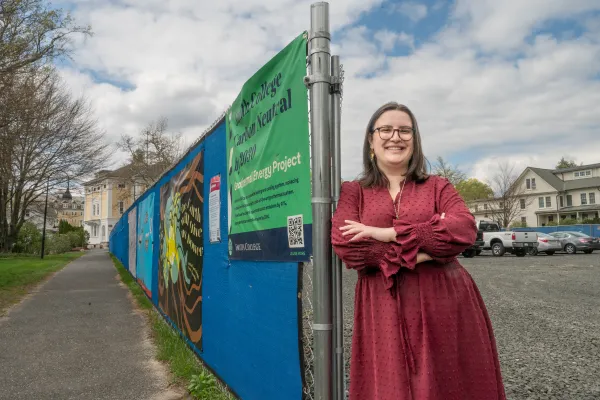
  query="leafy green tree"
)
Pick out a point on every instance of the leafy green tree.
point(563, 164)
point(473, 189)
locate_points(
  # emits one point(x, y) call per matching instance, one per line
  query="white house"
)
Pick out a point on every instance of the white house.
point(548, 196)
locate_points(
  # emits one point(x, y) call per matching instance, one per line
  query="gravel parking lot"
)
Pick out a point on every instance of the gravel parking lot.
point(546, 316)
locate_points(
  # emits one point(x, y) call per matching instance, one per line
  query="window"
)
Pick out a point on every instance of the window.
point(583, 199)
point(533, 183)
point(584, 216)
point(121, 186)
point(548, 201)
point(541, 202)
point(27, 214)
point(592, 198)
point(550, 218)
point(65, 205)
point(582, 174)
point(93, 209)
point(485, 206)
point(522, 201)
point(501, 204)
point(524, 219)
point(121, 207)
point(569, 200)
point(561, 201)
point(476, 207)
point(528, 183)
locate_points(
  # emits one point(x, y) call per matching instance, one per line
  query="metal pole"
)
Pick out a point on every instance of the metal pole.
point(320, 106)
point(337, 262)
point(45, 214)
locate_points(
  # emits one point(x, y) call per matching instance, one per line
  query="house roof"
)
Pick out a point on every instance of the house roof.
point(548, 176)
point(579, 168)
point(582, 183)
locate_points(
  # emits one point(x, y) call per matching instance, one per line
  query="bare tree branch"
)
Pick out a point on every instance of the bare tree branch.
point(509, 195)
point(448, 171)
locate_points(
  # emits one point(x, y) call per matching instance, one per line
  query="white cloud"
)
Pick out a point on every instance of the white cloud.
point(503, 26)
point(414, 11)
point(388, 39)
point(478, 89)
point(182, 59)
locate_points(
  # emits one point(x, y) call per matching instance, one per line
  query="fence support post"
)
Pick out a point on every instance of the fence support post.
point(338, 311)
point(319, 81)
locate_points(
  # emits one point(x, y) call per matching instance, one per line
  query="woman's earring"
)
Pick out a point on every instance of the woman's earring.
point(372, 154)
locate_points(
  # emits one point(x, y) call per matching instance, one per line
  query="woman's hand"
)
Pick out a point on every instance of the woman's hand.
point(423, 257)
point(361, 231)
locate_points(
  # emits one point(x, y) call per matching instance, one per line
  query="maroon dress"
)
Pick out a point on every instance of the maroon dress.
point(421, 332)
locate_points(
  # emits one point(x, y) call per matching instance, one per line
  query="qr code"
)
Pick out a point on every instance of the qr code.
point(295, 229)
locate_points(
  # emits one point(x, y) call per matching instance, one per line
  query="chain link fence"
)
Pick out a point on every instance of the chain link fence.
point(308, 384)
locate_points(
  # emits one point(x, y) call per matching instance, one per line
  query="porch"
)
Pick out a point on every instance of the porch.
point(580, 213)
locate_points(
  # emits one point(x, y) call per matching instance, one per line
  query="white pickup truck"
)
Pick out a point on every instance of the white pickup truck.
point(517, 243)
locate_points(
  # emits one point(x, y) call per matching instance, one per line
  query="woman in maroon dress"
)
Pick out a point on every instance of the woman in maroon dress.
point(421, 329)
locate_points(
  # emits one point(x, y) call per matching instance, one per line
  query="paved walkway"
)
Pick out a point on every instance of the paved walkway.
point(79, 337)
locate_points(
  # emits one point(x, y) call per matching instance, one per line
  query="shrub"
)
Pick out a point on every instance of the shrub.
point(29, 240)
point(57, 243)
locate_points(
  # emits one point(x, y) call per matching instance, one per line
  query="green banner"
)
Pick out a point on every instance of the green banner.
point(268, 157)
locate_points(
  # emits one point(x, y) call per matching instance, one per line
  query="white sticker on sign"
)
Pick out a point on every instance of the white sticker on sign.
point(214, 209)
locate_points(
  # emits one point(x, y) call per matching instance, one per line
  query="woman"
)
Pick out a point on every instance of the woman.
point(421, 329)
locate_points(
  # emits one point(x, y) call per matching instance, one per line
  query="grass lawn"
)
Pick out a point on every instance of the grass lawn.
point(19, 274)
point(183, 363)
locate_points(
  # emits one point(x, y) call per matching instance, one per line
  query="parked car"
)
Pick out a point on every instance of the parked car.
point(572, 242)
point(546, 244)
point(477, 246)
point(501, 242)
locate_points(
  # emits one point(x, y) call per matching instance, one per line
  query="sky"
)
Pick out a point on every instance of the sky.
point(515, 81)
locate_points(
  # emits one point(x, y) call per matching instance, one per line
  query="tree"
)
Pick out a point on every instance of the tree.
point(448, 171)
point(153, 151)
point(33, 33)
point(509, 194)
point(52, 138)
point(65, 226)
point(562, 164)
point(473, 189)
point(32, 36)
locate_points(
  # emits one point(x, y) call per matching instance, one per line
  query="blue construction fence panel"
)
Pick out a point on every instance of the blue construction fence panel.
point(241, 318)
point(592, 230)
point(119, 241)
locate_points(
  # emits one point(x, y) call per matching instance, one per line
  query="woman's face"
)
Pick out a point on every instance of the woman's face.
point(396, 151)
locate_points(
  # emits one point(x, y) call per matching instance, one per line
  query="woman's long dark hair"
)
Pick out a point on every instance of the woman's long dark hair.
point(417, 169)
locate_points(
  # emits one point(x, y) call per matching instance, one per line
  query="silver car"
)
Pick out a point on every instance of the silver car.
point(572, 242)
point(546, 244)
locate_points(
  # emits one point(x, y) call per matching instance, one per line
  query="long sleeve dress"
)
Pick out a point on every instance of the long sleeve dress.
point(421, 331)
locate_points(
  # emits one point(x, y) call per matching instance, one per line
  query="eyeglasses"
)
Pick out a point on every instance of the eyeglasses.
point(387, 132)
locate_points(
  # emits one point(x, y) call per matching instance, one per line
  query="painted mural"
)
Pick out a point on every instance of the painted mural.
point(132, 240)
point(145, 243)
point(182, 250)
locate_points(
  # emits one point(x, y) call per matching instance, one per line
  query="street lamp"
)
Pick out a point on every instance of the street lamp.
point(45, 214)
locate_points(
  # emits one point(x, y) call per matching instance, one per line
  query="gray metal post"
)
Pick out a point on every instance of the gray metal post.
point(319, 82)
point(338, 329)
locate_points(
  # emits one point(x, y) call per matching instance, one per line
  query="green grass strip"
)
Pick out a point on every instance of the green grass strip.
point(20, 273)
point(171, 348)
